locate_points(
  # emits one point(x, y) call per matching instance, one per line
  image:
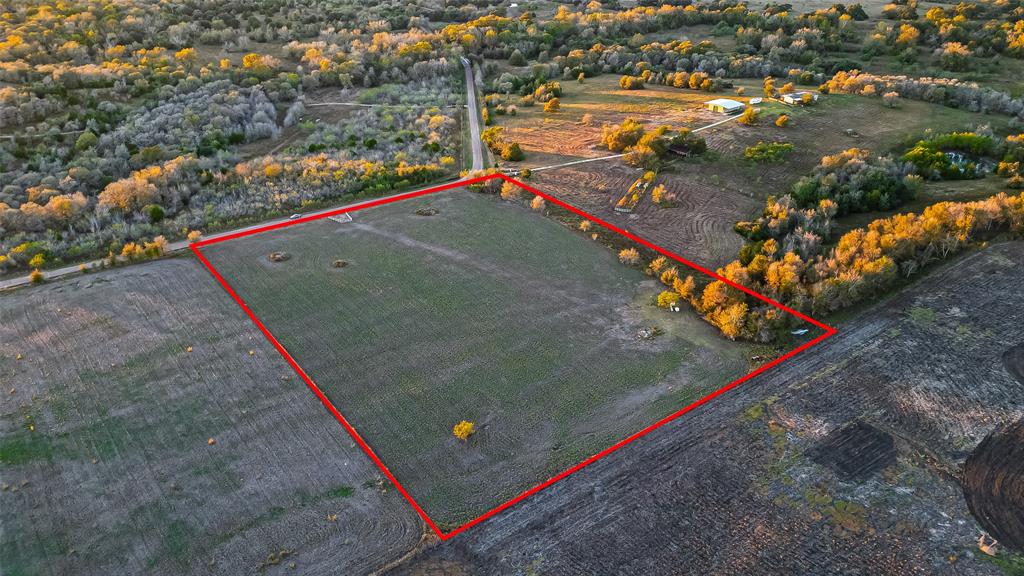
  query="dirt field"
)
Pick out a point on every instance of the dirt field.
point(485, 312)
point(105, 466)
point(911, 385)
point(716, 191)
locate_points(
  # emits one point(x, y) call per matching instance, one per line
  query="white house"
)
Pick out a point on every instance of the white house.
point(725, 106)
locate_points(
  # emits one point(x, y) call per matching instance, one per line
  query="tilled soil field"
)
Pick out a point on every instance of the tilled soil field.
point(910, 386)
point(114, 385)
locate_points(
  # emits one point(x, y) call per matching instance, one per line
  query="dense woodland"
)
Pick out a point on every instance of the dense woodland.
point(124, 121)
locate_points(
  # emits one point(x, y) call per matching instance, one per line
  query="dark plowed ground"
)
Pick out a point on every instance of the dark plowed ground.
point(994, 485)
point(1014, 360)
point(856, 451)
point(732, 489)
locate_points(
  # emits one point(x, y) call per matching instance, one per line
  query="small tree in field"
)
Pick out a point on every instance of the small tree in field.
point(509, 191)
point(586, 225)
point(552, 105)
point(890, 99)
point(667, 299)
point(35, 277)
point(463, 430)
point(629, 256)
point(581, 77)
point(749, 116)
point(782, 121)
point(512, 152)
point(538, 204)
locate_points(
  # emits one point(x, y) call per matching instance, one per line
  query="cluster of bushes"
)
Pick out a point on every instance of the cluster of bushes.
point(945, 91)
point(861, 264)
point(989, 27)
point(647, 148)
point(768, 152)
point(857, 182)
point(1012, 160)
point(949, 156)
point(494, 138)
point(631, 83)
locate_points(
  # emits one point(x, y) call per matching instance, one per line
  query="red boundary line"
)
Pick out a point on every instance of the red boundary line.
point(828, 331)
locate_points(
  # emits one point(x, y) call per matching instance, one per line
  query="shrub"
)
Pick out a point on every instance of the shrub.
point(668, 298)
point(35, 277)
point(509, 191)
point(782, 121)
point(552, 105)
point(512, 152)
point(768, 151)
point(37, 261)
point(272, 170)
point(662, 197)
point(463, 430)
point(194, 236)
point(155, 213)
point(586, 225)
point(631, 83)
point(538, 204)
point(629, 256)
point(618, 138)
point(749, 116)
point(85, 141)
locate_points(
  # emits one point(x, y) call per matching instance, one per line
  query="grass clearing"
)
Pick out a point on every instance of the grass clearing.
point(722, 187)
point(484, 312)
point(105, 466)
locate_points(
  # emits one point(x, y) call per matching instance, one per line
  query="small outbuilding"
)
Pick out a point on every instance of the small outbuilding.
point(725, 106)
point(798, 98)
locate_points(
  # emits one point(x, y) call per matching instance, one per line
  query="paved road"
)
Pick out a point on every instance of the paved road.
point(600, 158)
point(478, 164)
point(474, 117)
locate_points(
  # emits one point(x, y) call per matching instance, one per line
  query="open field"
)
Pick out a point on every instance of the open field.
point(762, 482)
point(105, 466)
point(486, 312)
point(719, 189)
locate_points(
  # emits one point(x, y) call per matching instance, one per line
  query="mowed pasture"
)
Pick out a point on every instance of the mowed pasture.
point(486, 312)
point(722, 187)
point(113, 385)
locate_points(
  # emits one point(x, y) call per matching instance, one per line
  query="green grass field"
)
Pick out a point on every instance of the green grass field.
point(485, 312)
